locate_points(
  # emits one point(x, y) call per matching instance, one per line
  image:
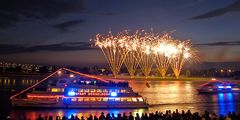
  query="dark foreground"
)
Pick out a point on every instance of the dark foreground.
point(168, 115)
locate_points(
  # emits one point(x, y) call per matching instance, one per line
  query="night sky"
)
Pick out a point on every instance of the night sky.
point(58, 31)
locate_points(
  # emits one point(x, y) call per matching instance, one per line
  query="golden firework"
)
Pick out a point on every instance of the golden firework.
point(143, 49)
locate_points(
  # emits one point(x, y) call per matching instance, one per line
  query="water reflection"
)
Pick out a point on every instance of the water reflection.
point(165, 92)
point(226, 103)
point(18, 83)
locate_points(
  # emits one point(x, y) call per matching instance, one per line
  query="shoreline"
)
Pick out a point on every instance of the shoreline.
point(129, 78)
point(142, 78)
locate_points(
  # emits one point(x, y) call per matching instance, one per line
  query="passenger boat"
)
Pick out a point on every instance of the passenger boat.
point(217, 86)
point(66, 88)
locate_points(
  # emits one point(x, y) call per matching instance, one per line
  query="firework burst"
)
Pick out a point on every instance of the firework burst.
point(143, 49)
point(183, 53)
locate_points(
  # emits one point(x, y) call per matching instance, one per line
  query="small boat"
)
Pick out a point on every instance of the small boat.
point(66, 88)
point(217, 86)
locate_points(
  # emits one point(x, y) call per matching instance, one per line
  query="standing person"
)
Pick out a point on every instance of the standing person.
point(72, 117)
point(95, 117)
point(76, 117)
point(143, 117)
point(130, 116)
point(102, 117)
point(137, 117)
point(113, 117)
point(90, 117)
point(119, 117)
point(108, 117)
point(50, 118)
point(124, 116)
point(40, 117)
point(64, 118)
point(82, 118)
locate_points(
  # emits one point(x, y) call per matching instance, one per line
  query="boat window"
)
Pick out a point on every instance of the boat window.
point(55, 90)
point(86, 99)
point(123, 91)
point(98, 99)
point(129, 99)
point(134, 99)
point(99, 90)
point(111, 99)
point(140, 99)
point(80, 99)
point(74, 99)
point(105, 90)
point(92, 99)
point(123, 99)
point(117, 99)
point(105, 99)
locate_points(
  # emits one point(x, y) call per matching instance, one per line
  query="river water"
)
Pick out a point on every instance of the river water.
point(162, 95)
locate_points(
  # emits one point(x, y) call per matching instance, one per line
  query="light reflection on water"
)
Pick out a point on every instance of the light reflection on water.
point(226, 103)
point(161, 95)
point(33, 114)
point(18, 83)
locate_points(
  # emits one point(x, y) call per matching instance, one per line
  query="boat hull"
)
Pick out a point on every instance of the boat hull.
point(217, 91)
point(80, 105)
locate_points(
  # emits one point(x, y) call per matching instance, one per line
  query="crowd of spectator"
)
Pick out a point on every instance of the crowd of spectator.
point(168, 115)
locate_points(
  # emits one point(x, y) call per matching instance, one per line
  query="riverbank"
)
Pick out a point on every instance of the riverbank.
point(156, 78)
point(127, 78)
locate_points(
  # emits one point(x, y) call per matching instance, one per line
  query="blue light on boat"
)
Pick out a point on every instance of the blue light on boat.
point(220, 86)
point(229, 87)
point(113, 94)
point(71, 93)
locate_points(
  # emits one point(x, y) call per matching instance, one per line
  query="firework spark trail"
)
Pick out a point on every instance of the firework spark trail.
point(184, 53)
point(133, 55)
point(164, 50)
point(112, 48)
point(146, 56)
